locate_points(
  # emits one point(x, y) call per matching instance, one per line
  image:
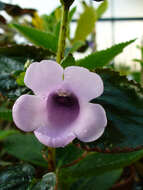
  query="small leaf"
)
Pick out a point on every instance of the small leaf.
point(123, 103)
point(68, 61)
point(50, 21)
point(16, 177)
point(101, 9)
point(25, 147)
point(38, 37)
point(139, 61)
point(71, 14)
point(102, 58)
point(85, 24)
point(20, 79)
point(48, 182)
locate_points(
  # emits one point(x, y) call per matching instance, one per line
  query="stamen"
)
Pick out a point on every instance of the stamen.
point(63, 93)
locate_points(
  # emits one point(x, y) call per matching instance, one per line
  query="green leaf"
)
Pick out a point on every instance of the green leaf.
point(50, 21)
point(71, 14)
point(85, 24)
point(16, 177)
point(139, 61)
point(103, 182)
point(48, 182)
point(102, 58)
point(26, 52)
point(25, 147)
point(67, 155)
point(68, 61)
point(12, 61)
point(136, 76)
point(8, 85)
point(20, 79)
point(123, 103)
point(37, 37)
point(101, 9)
point(98, 163)
point(5, 114)
point(5, 133)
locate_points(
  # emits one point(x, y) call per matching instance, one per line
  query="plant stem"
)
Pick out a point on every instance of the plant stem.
point(51, 160)
point(63, 33)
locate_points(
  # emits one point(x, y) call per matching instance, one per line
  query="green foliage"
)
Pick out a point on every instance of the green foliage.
point(26, 52)
point(139, 61)
point(68, 61)
point(20, 79)
point(48, 182)
point(71, 13)
point(43, 39)
point(102, 58)
point(76, 168)
point(136, 76)
point(16, 177)
point(5, 133)
point(25, 147)
point(5, 114)
point(85, 24)
point(9, 66)
point(51, 21)
point(67, 155)
point(21, 177)
point(102, 182)
point(123, 103)
point(98, 163)
point(12, 61)
point(101, 9)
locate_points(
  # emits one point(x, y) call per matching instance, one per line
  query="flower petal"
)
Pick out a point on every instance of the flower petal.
point(92, 123)
point(56, 139)
point(44, 76)
point(84, 83)
point(29, 112)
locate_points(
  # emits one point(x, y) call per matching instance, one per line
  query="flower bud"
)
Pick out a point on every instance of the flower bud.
point(67, 3)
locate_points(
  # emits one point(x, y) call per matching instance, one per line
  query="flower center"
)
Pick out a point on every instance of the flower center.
point(63, 108)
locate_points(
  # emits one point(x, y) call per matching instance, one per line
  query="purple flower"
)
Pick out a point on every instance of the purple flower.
point(60, 110)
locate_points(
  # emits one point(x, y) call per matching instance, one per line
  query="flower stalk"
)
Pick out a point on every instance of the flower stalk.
point(63, 33)
point(51, 160)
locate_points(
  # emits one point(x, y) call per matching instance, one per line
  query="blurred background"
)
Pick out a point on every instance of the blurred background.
point(122, 21)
